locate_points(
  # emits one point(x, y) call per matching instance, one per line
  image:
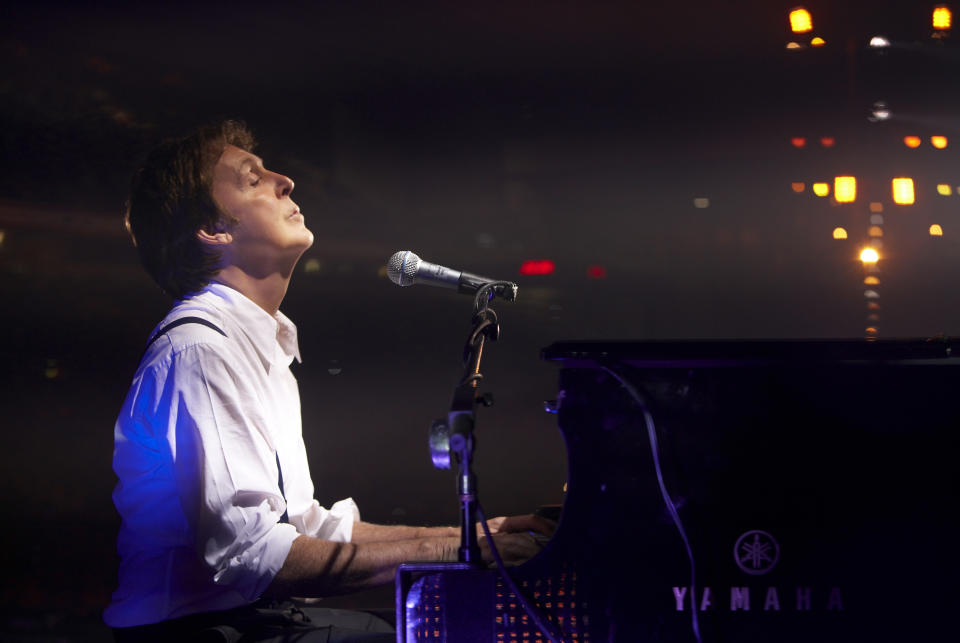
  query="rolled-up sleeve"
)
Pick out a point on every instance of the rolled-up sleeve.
point(335, 523)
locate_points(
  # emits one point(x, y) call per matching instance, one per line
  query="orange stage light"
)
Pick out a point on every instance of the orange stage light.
point(942, 18)
point(845, 189)
point(903, 191)
point(912, 141)
point(800, 20)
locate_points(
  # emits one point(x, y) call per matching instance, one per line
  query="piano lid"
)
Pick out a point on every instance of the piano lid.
point(725, 353)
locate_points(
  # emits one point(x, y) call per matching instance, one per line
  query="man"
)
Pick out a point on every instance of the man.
point(214, 489)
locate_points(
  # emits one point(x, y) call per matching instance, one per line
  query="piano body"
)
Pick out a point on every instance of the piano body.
point(815, 481)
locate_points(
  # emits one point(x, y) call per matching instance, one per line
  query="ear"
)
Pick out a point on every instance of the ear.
point(217, 238)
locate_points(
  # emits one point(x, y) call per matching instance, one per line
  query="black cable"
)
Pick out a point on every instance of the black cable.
point(667, 500)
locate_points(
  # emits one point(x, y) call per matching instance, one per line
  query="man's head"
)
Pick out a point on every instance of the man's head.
point(205, 199)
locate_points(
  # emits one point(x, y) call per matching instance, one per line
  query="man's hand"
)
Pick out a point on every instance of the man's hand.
point(529, 523)
point(517, 538)
point(514, 549)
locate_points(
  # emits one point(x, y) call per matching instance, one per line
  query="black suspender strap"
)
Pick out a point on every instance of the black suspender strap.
point(181, 322)
point(284, 517)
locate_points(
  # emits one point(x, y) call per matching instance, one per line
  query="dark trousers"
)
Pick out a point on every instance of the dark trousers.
point(277, 622)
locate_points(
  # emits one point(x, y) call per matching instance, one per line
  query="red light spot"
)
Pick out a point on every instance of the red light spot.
point(537, 267)
point(798, 141)
point(828, 141)
point(596, 272)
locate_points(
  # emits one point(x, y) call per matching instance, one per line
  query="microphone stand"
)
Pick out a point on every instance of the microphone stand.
point(455, 434)
point(460, 423)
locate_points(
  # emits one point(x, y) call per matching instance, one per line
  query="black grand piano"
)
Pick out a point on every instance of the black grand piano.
point(814, 480)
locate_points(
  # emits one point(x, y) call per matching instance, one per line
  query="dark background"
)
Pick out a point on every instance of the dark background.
point(479, 135)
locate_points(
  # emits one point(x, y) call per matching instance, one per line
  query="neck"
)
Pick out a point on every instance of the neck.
point(266, 291)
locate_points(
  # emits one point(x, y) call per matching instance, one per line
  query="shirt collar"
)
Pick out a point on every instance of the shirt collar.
point(274, 337)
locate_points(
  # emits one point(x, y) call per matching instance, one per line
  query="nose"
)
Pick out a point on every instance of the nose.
point(284, 185)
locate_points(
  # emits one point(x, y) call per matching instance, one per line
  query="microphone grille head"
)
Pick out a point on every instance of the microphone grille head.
point(402, 267)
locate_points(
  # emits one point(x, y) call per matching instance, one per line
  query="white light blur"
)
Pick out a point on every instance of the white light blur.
point(880, 112)
point(879, 42)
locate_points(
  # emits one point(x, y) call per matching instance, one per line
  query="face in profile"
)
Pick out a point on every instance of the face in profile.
point(269, 226)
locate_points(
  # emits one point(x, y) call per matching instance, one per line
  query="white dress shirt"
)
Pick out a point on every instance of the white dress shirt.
point(196, 448)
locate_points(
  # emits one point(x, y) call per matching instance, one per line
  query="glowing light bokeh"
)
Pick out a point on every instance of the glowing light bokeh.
point(800, 20)
point(537, 267)
point(942, 18)
point(875, 231)
point(828, 141)
point(798, 141)
point(798, 187)
point(912, 141)
point(839, 233)
point(845, 189)
point(936, 230)
point(903, 191)
point(880, 112)
point(818, 42)
point(871, 280)
point(944, 189)
point(939, 142)
point(869, 255)
point(821, 189)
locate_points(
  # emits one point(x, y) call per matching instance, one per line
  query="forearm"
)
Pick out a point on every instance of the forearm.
point(365, 532)
point(316, 567)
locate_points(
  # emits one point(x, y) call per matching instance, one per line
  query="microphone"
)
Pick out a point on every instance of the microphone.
point(406, 269)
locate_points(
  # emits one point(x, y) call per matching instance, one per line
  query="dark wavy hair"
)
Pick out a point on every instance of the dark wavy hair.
point(171, 199)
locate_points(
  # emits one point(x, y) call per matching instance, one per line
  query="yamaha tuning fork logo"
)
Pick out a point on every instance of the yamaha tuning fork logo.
point(756, 552)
